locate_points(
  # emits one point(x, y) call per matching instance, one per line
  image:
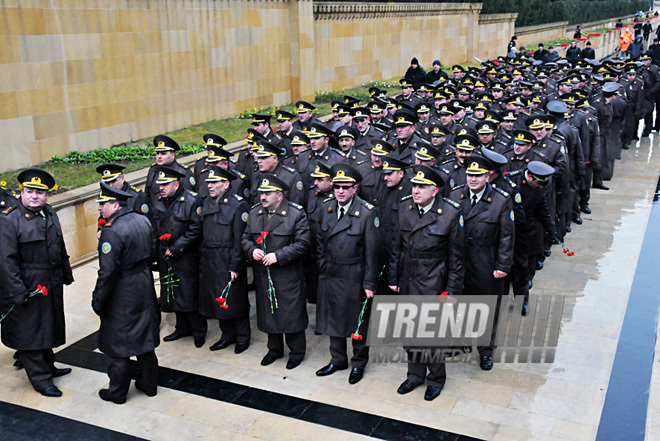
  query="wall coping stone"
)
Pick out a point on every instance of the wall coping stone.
point(353, 10)
point(497, 18)
point(540, 28)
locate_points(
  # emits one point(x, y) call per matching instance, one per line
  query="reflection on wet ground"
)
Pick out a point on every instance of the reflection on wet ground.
point(515, 401)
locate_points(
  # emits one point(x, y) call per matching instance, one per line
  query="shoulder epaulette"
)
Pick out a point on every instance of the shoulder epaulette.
point(500, 191)
point(293, 204)
point(452, 203)
point(255, 205)
point(7, 210)
point(363, 161)
point(513, 173)
point(458, 187)
point(237, 197)
point(541, 154)
point(331, 197)
point(446, 161)
point(405, 198)
point(136, 189)
point(368, 205)
point(360, 152)
point(192, 193)
point(289, 169)
point(239, 174)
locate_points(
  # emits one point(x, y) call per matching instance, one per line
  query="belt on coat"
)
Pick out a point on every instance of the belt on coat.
point(417, 254)
point(135, 270)
point(218, 244)
point(346, 260)
point(472, 242)
point(41, 266)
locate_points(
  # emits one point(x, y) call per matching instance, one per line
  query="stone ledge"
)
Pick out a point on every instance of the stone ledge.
point(497, 18)
point(540, 28)
point(353, 10)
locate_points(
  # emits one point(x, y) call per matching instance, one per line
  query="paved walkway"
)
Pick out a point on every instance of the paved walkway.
point(558, 401)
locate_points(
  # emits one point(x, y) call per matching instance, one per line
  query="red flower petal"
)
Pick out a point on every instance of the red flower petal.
point(225, 306)
point(444, 293)
point(571, 253)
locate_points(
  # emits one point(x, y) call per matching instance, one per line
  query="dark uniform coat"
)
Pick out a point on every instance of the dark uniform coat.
point(239, 186)
point(427, 257)
point(32, 252)
point(290, 176)
point(7, 199)
point(180, 218)
point(288, 237)
point(347, 254)
point(223, 221)
point(124, 296)
point(489, 238)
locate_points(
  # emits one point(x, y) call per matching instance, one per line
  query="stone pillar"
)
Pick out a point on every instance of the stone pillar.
point(301, 37)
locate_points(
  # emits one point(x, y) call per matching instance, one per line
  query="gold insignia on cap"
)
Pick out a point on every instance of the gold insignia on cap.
point(161, 174)
point(386, 164)
point(341, 173)
point(265, 182)
point(474, 165)
point(537, 121)
point(420, 175)
point(520, 137)
point(106, 172)
point(423, 150)
point(343, 132)
point(401, 119)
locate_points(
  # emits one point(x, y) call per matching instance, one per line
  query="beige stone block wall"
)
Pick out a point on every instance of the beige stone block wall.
point(495, 31)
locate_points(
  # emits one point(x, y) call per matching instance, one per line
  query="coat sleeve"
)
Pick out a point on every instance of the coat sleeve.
point(595, 145)
point(393, 268)
point(297, 191)
point(67, 272)
point(10, 265)
point(237, 263)
point(507, 235)
point(190, 237)
point(300, 242)
point(247, 243)
point(109, 268)
point(456, 253)
point(371, 252)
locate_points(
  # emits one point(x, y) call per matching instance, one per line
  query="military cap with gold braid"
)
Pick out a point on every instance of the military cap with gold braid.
point(213, 139)
point(380, 147)
point(464, 90)
point(351, 101)
point(346, 132)
point(486, 126)
point(215, 144)
point(111, 194)
point(446, 109)
point(335, 104)
point(393, 164)
point(167, 175)
point(360, 112)
point(405, 82)
point(258, 118)
point(481, 106)
point(304, 106)
point(36, 178)
point(345, 173)
point(404, 118)
point(218, 174)
point(299, 138)
point(425, 175)
point(584, 103)
point(318, 131)
point(426, 153)
point(165, 144)
point(374, 91)
point(466, 142)
point(377, 106)
point(493, 116)
point(535, 122)
point(266, 149)
point(438, 130)
point(283, 115)
point(270, 182)
point(422, 108)
point(497, 159)
point(508, 115)
point(458, 68)
point(478, 165)
point(109, 172)
point(322, 170)
point(343, 109)
point(523, 137)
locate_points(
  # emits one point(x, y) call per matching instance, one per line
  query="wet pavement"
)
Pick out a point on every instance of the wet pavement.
point(604, 381)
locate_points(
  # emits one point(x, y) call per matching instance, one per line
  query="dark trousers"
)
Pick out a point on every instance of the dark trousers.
point(235, 329)
point(418, 368)
point(294, 340)
point(488, 350)
point(339, 357)
point(119, 372)
point(39, 366)
point(191, 323)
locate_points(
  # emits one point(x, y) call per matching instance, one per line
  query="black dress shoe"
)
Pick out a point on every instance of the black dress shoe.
point(329, 370)
point(270, 359)
point(486, 362)
point(577, 220)
point(103, 393)
point(618, 157)
point(568, 229)
point(18, 364)
point(636, 138)
point(585, 209)
point(523, 312)
point(601, 187)
point(317, 333)
point(61, 372)
point(175, 336)
point(241, 346)
point(406, 387)
point(293, 363)
point(539, 265)
point(199, 342)
point(547, 252)
point(221, 344)
point(626, 147)
point(432, 392)
point(356, 375)
point(138, 387)
point(51, 391)
point(530, 284)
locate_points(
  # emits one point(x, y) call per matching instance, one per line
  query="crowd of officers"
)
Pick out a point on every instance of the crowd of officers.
point(459, 186)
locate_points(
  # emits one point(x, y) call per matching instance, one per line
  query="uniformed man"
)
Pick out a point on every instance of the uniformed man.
point(33, 254)
point(217, 155)
point(365, 132)
point(268, 161)
point(454, 169)
point(224, 218)
point(522, 152)
point(261, 123)
point(7, 197)
point(407, 94)
point(166, 149)
point(113, 175)
point(651, 77)
point(285, 127)
point(407, 140)
point(319, 138)
point(175, 214)
point(306, 116)
point(124, 297)
point(277, 241)
point(489, 239)
point(346, 137)
point(427, 259)
point(372, 184)
point(348, 243)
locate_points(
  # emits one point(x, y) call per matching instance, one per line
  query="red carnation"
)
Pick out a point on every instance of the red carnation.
point(43, 290)
point(166, 236)
point(101, 223)
point(220, 300)
point(224, 306)
point(356, 336)
point(570, 254)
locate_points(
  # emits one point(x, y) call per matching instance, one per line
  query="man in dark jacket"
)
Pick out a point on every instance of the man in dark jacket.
point(587, 53)
point(348, 243)
point(166, 149)
point(435, 74)
point(415, 73)
point(427, 259)
point(176, 230)
point(124, 297)
point(573, 53)
point(33, 254)
point(224, 218)
point(277, 240)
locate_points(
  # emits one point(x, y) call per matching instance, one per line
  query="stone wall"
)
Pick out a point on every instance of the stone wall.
point(84, 74)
